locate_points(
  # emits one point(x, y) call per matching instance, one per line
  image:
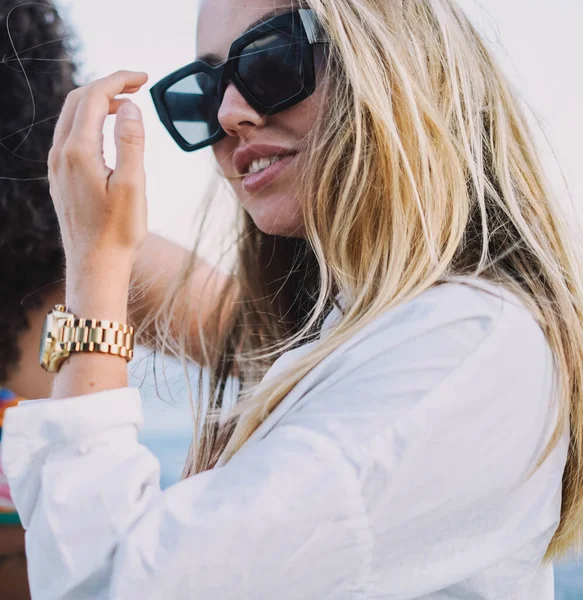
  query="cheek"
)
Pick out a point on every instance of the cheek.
point(223, 152)
point(302, 118)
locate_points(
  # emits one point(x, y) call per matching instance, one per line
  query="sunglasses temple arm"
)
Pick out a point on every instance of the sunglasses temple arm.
point(314, 31)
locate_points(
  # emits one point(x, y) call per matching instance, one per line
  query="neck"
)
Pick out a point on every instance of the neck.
point(29, 380)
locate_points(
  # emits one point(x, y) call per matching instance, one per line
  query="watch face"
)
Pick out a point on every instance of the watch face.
point(46, 340)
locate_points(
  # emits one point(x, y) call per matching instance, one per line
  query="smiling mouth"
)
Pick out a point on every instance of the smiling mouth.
point(260, 164)
point(265, 171)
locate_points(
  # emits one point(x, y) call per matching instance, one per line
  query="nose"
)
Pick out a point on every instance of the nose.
point(235, 116)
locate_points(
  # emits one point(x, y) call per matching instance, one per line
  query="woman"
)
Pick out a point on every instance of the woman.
point(404, 320)
point(36, 74)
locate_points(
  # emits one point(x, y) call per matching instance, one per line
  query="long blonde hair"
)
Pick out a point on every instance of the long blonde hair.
point(422, 167)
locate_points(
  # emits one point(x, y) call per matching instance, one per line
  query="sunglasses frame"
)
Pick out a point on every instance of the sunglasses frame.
point(304, 27)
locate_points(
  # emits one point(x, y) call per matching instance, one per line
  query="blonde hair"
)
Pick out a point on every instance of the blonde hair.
point(421, 168)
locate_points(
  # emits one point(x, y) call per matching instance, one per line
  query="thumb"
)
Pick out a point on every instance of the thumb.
point(130, 143)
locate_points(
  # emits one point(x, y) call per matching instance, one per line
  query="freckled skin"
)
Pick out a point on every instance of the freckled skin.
point(276, 208)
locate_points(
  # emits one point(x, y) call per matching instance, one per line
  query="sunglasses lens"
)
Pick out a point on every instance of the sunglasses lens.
point(192, 105)
point(271, 68)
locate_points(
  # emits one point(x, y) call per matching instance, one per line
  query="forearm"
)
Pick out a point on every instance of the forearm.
point(96, 290)
point(103, 219)
point(159, 266)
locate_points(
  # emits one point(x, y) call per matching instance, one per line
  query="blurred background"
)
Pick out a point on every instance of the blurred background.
point(539, 43)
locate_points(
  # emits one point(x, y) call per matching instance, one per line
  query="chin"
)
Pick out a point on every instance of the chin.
point(276, 216)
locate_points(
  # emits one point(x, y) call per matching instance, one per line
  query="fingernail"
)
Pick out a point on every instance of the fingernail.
point(130, 111)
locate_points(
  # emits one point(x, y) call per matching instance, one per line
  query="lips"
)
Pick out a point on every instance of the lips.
point(244, 157)
point(256, 182)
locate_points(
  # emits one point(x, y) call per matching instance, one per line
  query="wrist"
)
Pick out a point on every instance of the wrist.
point(100, 262)
point(99, 289)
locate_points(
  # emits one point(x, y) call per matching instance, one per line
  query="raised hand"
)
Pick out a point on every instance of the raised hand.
point(102, 213)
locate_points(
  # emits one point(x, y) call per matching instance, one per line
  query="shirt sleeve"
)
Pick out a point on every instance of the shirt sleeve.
point(283, 519)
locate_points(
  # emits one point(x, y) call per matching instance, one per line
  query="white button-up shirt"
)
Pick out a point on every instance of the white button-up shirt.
point(400, 468)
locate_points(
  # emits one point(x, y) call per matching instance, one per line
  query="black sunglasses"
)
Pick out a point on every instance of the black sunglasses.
point(272, 66)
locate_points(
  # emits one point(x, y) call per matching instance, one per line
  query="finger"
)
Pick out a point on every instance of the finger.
point(133, 90)
point(129, 143)
point(65, 121)
point(68, 112)
point(94, 105)
point(115, 105)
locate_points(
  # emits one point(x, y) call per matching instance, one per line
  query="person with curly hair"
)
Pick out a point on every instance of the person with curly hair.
point(36, 74)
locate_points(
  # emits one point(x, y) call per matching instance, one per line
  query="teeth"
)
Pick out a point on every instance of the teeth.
point(259, 164)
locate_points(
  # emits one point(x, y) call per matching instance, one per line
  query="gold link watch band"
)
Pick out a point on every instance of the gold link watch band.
point(65, 333)
point(92, 335)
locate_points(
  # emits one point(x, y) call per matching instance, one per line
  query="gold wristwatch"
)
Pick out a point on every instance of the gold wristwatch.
point(65, 333)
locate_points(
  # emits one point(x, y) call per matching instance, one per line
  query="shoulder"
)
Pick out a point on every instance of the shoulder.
point(465, 361)
point(466, 326)
point(443, 406)
point(472, 308)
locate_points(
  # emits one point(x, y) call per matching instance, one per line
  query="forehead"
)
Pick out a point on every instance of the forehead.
point(220, 22)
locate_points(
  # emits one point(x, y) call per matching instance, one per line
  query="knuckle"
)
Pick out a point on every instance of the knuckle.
point(69, 99)
point(82, 93)
point(53, 158)
point(74, 94)
point(102, 80)
point(73, 152)
point(125, 187)
point(91, 93)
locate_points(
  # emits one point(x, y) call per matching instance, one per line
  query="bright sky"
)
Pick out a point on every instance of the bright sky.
point(539, 42)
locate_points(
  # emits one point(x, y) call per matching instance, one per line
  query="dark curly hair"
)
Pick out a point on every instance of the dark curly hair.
point(36, 74)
